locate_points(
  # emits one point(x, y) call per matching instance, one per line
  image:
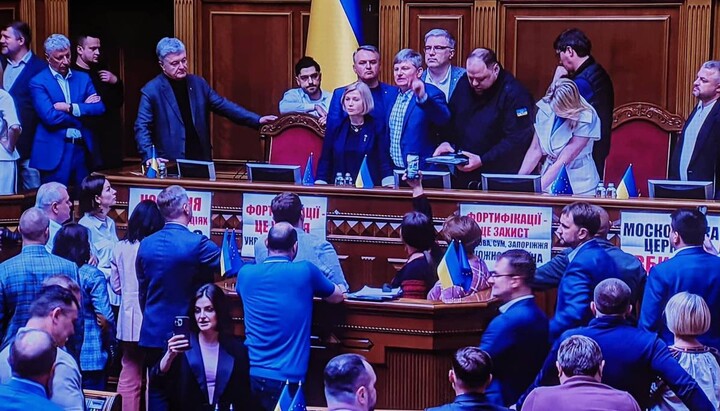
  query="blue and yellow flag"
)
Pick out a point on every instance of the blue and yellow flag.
point(230, 261)
point(308, 179)
point(364, 179)
point(285, 400)
point(153, 170)
point(627, 188)
point(298, 402)
point(334, 33)
point(561, 185)
point(452, 270)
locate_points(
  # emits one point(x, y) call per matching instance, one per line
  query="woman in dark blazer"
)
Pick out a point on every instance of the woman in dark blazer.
point(209, 367)
point(358, 135)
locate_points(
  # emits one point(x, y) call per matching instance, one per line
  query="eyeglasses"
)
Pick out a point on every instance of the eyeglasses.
point(437, 48)
point(494, 274)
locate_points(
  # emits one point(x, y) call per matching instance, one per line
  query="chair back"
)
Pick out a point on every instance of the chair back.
point(642, 135)
point(414, 289)
point(291, 138)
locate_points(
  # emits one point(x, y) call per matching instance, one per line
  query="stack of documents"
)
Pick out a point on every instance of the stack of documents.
point(375, 294)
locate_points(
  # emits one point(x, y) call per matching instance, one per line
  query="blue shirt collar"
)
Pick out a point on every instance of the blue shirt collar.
point(55, 74)
point(277, 259)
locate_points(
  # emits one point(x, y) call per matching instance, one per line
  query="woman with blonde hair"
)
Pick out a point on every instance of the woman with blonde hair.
point(687, 317)
point(565, 128)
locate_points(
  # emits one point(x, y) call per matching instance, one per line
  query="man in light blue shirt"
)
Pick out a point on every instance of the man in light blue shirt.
point(309, 98)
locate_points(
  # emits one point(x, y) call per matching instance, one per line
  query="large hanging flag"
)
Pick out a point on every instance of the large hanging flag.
point(451, 269)
point(561, 185)
point(308, 178)
point(627, 188)
point(364, 179)
point(285, 399)
point(334, 33)
point(154, 169)
point(230, 260)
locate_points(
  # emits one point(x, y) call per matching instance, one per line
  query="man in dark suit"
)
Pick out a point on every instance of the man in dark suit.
point(633, 357)
point(630, 270)
point(589, 264)
point(573, 49)
point(64, 148)
point(691, 269)
point(350, 383)
point(174, 110)
point(580, 364)
point(171, 265)
point(517, 338)
point(32, 358)
point(416, 109)
point(366, 64)
point(492, 120)
point(470, 376)
point(695, 157)
point(20, 65)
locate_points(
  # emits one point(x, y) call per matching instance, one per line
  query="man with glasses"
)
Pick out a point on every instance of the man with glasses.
point(439, 52)
point(517, 339)
point(308, 98)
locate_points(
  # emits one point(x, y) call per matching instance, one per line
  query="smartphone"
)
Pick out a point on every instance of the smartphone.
point(181, 325)
point(413, 166)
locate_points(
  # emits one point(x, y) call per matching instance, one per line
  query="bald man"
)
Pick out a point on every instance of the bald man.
point(32, 357)
point(21, 277)
point(630, 269)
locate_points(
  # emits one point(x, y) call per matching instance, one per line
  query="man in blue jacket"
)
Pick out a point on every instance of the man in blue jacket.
point(633, 357)
point(691, 269)
point(517, 338)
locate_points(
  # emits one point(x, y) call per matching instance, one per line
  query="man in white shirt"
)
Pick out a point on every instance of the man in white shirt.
point(309, 98)
point(439, 52)
point(695, 157)
point(9, 134)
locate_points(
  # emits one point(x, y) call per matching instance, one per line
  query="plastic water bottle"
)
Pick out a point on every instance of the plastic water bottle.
point(339, 181)
point(611, 191)
point(600, 191)
point(349, 180)
point(162, 169)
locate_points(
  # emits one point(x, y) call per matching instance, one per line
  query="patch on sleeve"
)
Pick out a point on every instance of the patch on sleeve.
point(523, 111)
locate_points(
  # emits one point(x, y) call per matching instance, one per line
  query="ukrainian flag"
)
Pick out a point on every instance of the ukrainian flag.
point(364, 179)
point(561, 185)
point(285, 400)
point(627, 188)
point(450, 269)
point(334, 33)
point(153, 170)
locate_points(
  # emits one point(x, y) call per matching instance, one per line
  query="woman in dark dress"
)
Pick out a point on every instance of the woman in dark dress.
point(358, 135)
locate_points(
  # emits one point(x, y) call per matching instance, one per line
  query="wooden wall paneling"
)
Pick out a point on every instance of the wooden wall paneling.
point(453, 17)
point(484, 26)
point(636, 46)
point(390, 36)
point(694, 35)
point(715, 35)
point(57, 17)
point(9, 11)
point(185, 30)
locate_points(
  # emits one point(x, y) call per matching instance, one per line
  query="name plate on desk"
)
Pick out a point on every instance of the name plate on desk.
point(646, 235)
point(257, 218)
point(506, 227)
point(200, 201)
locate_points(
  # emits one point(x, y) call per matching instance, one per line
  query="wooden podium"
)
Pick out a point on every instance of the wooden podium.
point(408, 342)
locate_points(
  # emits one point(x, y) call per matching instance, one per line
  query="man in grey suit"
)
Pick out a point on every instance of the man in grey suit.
point(174, 110)
point(287, 207)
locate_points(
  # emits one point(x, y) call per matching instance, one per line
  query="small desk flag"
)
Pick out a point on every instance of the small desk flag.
point(627, 188)
point(285, 400)
point(561, 185)
point(308, 178)
point(452, 268)
point(364, 180)
point(154, 169)
point(230, 261)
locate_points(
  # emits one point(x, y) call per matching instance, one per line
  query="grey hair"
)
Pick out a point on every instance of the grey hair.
point(408, 55)
point(56, 42)
point(712, 65)
point(169, 45)
point(579, 355)
point(367, 47)
point(48, 194)
point(171, 200)
point(441, 33)
point(487, 56)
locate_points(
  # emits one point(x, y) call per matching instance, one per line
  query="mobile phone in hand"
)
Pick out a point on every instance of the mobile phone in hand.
point(181, 325)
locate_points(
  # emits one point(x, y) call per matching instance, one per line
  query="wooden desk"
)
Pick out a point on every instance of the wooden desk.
point(408, 342)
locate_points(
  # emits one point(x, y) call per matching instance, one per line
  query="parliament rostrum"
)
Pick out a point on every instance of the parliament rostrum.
point(409, 342)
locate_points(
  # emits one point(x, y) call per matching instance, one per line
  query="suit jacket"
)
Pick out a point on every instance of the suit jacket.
point(633, 359)
point(383, 97)
point(186, 385)
point(421, 122)
point(93, 356)
point(171, 265)
point(456, 73)
point(374, 145)
point(575, 291)
point(583, 390)
point(473, 401)
point(21, 278)
point(159, 120)
point(23, 395)
point(704, 164)
point(692, 270)
point(49, 146)
point(313, 249)
point(20, 92)
point(517, 342)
